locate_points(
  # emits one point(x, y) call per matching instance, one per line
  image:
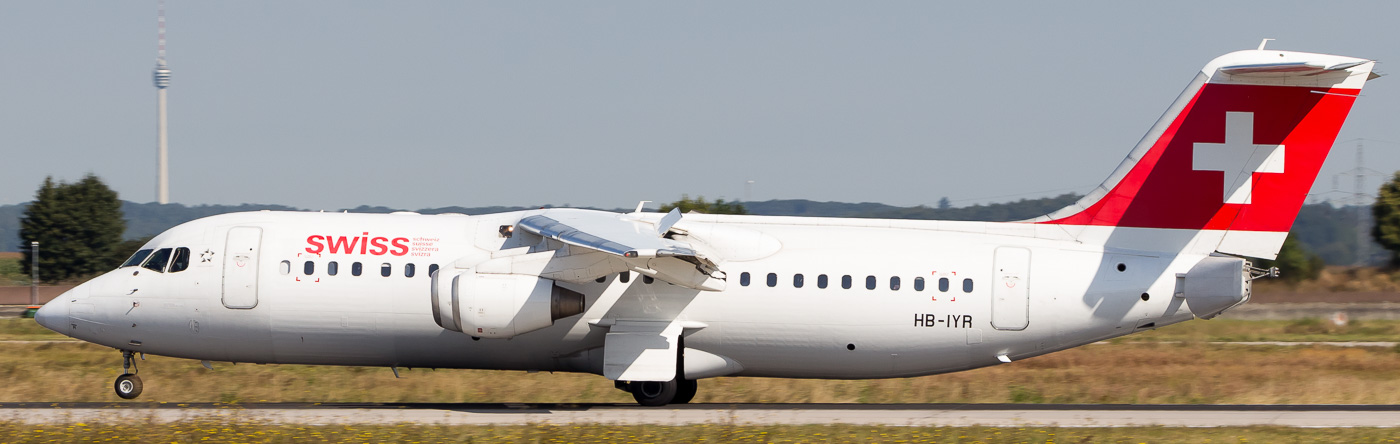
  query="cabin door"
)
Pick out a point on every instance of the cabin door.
point(241, 267)
point(1011, 289)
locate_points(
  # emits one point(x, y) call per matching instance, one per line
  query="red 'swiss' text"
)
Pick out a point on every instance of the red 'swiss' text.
point(363, 244)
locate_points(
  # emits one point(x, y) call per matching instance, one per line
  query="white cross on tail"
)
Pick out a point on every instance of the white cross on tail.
point(1239, 158)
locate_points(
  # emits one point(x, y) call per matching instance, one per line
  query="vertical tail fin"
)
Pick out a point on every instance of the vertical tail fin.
point(1230, 163)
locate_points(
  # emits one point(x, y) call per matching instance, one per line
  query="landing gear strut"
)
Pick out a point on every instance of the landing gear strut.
point(128, 385)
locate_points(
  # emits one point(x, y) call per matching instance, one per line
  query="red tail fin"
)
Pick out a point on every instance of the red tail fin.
point(1237, 153)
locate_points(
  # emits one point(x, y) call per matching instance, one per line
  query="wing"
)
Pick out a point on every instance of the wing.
point(639, 243)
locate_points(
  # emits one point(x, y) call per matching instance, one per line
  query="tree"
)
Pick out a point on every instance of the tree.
point(78, 226)
point(1295, 264)
point(1386, 215)
point(699, 205)
point(944, 203)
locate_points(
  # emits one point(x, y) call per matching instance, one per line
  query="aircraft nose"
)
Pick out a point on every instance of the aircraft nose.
point(54, 314)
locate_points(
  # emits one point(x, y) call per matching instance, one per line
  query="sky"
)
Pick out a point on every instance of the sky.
point(337, 104)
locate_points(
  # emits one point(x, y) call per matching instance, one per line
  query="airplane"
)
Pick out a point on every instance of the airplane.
point(656, 302)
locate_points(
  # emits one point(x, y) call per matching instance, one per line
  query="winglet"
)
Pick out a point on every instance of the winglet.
point(640, 205)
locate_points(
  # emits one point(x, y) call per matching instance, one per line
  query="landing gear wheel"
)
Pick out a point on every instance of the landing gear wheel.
point(685, 391)
point(128, 386)
point(654, 393)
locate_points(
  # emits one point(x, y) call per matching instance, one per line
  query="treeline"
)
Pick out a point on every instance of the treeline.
point(1321, 229)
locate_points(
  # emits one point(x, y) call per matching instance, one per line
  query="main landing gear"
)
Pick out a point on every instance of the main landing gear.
point(658, 393)
point(128, 385)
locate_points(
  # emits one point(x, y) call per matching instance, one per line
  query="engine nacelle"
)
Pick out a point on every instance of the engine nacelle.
point(500, 305)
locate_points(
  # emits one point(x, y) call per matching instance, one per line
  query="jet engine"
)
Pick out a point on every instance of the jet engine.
point(500, 305)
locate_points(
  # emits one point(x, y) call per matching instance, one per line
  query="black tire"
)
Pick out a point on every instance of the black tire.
point(685, 391)
point(128, 386)
point(653, 393)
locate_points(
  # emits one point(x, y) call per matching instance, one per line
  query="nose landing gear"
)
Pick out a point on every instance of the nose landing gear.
point(128, 385)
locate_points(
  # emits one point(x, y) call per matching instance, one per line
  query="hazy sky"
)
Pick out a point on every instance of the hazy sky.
point(333, 104)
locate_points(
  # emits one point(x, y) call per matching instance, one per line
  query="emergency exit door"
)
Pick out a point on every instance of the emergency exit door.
point(241, 267)
point(1011, 289)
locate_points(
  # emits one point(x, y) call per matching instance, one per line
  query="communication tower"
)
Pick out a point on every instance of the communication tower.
point(161, 76)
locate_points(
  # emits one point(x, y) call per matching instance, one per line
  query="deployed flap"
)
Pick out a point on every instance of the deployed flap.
point(641, 351)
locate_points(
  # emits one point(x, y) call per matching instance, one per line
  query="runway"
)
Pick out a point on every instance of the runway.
point(920, 415)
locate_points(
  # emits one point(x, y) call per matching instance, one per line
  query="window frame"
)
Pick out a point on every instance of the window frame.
point(181, 258)
point(133, 261)
point(164, 261)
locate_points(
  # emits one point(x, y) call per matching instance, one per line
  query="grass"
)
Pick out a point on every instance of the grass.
point(1152, 371)
point(221, 431)
point(27, 330)
point(1300, 330)
point(11, 274)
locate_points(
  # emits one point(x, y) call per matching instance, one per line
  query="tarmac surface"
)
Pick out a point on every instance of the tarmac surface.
point(935, 415)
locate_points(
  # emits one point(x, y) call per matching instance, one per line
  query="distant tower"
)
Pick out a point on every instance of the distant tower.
point(162, 81)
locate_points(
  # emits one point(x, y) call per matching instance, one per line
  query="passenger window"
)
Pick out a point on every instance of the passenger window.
point(285, 268)
point(943, 285)
point(918, 284)
point(846, 282)
point(894, 283)
point(625, 277)
point(137, 259)
point(797, 280)
point(356, 269)
point(409, 270)
point(821, 281)
point(180, 261)
point(158, 260)
point(744, 279)
point(648, 280)
point(432, 270)
point(870, 282)
point(772, 279)
point(385, 269)
point(332, 268)
point(308, 268)
point(967, 285)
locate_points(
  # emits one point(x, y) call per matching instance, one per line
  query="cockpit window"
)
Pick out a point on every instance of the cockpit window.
point(180, 261)
point(137, 258)
point(158, 260)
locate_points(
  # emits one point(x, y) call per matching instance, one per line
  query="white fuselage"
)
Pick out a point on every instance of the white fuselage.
point(1073, 294)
